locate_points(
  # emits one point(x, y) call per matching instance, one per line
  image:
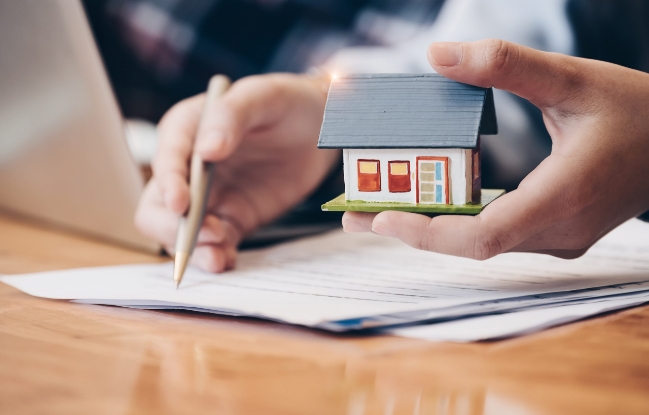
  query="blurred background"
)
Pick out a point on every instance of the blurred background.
point(158, 52)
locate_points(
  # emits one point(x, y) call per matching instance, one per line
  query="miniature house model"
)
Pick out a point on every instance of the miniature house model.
point(410, 141)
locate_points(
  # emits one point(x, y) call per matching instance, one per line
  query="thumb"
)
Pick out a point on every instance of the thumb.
point(543, 78)
point(220, 128)
point(249, 104)
point(227, 115)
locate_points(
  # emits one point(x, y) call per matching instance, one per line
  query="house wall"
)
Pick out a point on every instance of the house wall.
point(460, 173)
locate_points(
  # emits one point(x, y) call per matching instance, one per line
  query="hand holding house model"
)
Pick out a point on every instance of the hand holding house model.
point(411, 142)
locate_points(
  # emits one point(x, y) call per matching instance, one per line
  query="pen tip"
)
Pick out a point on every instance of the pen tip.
point(180, 264)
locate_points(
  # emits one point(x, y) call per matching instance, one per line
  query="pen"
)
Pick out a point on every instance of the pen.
point(200, 175)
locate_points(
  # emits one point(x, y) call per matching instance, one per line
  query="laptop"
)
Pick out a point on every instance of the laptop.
point(64, 159)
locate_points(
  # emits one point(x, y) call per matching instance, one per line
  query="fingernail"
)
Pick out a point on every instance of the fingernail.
point(355, 226)
point(383, 230)
point(211, 141)
point(445, 53)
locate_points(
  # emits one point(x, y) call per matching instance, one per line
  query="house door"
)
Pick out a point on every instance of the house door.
point(432, 180)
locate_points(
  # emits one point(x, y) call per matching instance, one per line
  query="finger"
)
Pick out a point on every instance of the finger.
point(543, 78)
point(211, 258)
point(212, 231)
point(250, 103)
point(241, 210)
point(357, 222)
point(214, 258)
point(176, 132)
point(452, 235)
point(153, 219)
point(157, 222)
point(218, 257)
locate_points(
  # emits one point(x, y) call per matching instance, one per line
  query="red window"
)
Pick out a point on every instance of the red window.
point(369, 176)
point(399, 176)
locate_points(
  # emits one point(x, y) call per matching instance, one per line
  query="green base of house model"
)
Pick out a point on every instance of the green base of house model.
point(339, 204)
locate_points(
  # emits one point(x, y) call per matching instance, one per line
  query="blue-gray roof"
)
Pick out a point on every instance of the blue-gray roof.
point(405, 111)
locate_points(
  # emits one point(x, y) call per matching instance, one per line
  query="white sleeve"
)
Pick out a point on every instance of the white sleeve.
point(538, 24)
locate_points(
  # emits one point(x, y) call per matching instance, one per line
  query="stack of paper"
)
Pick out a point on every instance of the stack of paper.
point(343, 282)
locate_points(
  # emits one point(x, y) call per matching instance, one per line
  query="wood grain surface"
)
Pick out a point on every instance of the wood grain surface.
point(58, 357)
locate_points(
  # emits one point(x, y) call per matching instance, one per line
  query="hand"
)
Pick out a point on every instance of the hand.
point(596, 177)
point(262, 134)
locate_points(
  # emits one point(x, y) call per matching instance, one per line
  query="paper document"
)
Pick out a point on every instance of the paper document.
point(339, 281)
point(496, 326)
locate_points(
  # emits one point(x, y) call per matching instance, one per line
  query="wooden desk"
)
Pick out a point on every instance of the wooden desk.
point(62, 358)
